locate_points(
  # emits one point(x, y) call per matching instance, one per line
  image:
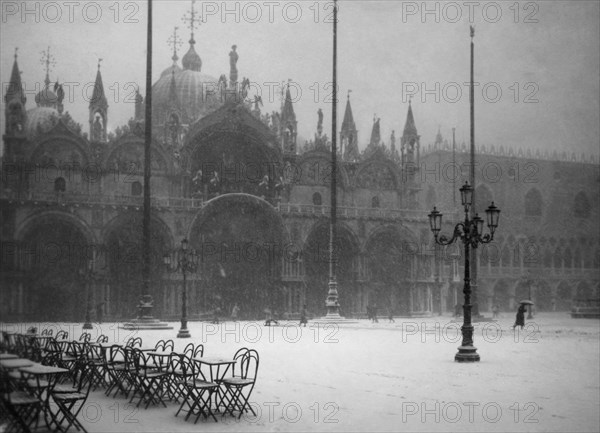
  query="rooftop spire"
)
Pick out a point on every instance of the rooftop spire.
point(288, 108)
point(409, 126)
point(376, 132)
point(98, 97)
point(348, 122)
point(15, 87)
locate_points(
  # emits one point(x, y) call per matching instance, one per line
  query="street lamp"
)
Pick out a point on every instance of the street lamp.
point(186, 260)
point(471, 233)
point(89, 273)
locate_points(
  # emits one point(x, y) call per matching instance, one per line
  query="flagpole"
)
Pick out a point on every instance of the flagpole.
point(332, 302)
point(473, 256)
point(147, 160)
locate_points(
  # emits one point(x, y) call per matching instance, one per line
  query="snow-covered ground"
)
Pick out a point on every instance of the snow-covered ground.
point(388, 377)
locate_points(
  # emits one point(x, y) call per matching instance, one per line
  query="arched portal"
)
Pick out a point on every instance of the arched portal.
point(56, 254)
point(390, 260)
point(124, 260)
point(317, 259)
point(241, 240)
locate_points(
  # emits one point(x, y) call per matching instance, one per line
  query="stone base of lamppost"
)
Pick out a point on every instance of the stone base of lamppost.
point(467, 354)
point(87, 325)
point(184, 331)
point(333, 307)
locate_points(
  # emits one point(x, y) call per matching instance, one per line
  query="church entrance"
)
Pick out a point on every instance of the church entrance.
point(240, 239)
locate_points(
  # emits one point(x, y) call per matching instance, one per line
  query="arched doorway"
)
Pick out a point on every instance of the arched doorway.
point(390, 261)
point(240, 239)
point(55, 278)
point(124, 260)
point(316, 258)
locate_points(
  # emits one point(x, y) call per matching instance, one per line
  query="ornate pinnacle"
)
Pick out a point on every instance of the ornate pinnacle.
point(191, 21)
point(47, 60)
point(175, 41)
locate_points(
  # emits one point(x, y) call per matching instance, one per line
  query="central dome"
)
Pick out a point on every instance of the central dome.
point(197, 94)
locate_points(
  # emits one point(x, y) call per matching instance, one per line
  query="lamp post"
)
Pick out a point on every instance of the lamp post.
point(471, 233)
point(186, 260)
point(89, 274)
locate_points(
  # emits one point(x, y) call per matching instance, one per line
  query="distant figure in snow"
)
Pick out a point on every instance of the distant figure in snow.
point(391, 315)
point(495, 310)
point(303, 314)
point(270, 319)
point(234, 312)
point(520, 321)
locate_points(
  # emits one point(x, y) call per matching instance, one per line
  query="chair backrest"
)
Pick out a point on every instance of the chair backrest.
point(160, 346)
point(86, 336)
point(169, 346)
point(133, 342)
point(102, 339)
point(189, 350)
point(115, 354)
point(199, 351)
point(47, 332)
point(246, 363)
point(62, 335)
point(182, 364)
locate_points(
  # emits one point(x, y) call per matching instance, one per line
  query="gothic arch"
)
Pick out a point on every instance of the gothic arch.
point(533, 202)
point(38, 217)
point(581, 205)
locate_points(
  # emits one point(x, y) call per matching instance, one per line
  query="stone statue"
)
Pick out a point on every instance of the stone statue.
point(233, 58)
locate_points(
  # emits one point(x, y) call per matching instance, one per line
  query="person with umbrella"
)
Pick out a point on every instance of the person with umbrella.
point(520, 320)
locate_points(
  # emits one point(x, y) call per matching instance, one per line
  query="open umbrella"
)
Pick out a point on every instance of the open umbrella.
point(526, 302)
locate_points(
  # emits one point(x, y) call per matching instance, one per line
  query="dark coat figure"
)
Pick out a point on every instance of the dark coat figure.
point(303, 314)
point(391, 316)
point(520, 321)
point(99, 311)
point(369, 313)
point(374, 313)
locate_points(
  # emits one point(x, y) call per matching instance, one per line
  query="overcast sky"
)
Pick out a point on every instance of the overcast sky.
point(542, 56)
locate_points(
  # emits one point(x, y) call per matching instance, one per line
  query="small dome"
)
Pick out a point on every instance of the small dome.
point(40, 120)
point(192, 60)
point(46, 98)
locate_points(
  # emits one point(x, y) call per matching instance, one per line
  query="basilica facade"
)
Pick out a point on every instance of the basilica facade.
point(254, 203)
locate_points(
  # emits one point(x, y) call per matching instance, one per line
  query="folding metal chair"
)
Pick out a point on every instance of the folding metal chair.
point(148, 381)
point(19, 410)
point(71, 403)
point(196, 391)
point(239, 388)
point(117, 368)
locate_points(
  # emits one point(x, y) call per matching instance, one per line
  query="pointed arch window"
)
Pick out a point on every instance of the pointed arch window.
point(136, 189)
point(533, 203)
point(581, 207)
point(60, 185)
point(317, 200)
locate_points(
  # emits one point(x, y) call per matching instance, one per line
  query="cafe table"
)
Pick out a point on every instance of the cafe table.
point(217, 369)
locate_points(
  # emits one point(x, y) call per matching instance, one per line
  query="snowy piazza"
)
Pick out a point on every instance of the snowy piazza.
point(208, 221)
